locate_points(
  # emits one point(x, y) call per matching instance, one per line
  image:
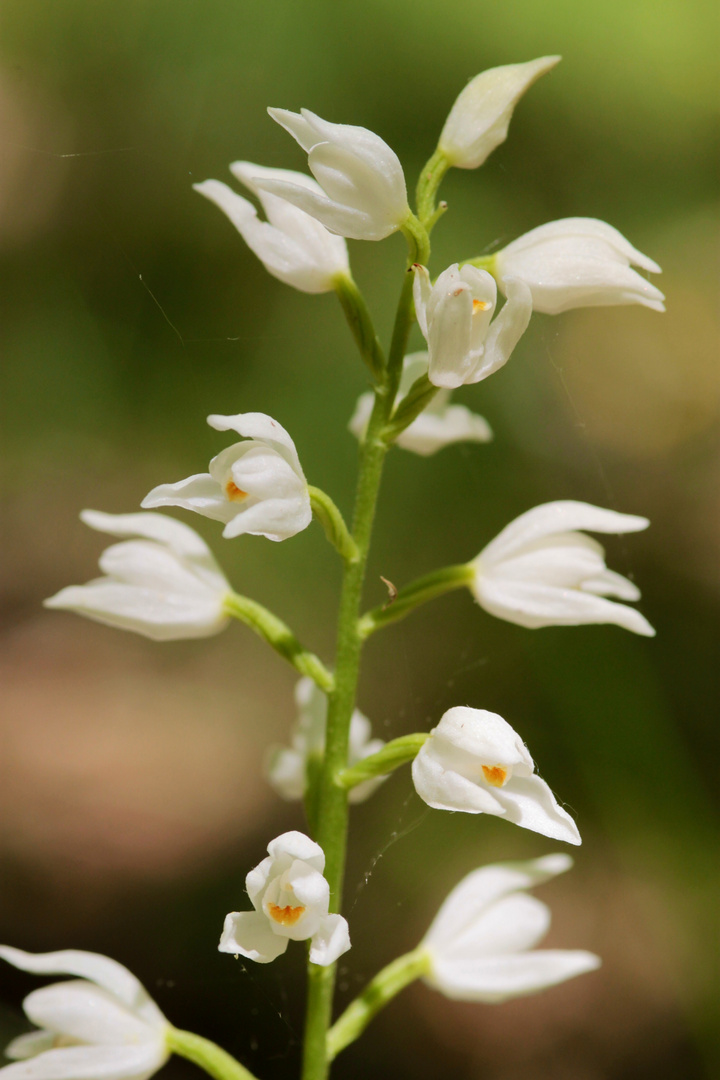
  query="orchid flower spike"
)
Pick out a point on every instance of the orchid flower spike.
point(255, 487)
point(102, 1024)
point(165, 585)
point(363, 186)
point(480, 945)
point(439, 425)
point(292, 245)
point(577, 262)
point(454, 316)
point(540, 572)
point(287, 766)
point(479, 119)
point(290, 897)
point(475, 762)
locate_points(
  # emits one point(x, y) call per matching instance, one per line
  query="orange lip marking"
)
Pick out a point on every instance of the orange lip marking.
point(480, 305)
point(286, 916)
point(234, 493)
point(495, 774)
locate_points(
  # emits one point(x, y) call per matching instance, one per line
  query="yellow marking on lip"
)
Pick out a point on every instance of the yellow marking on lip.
point(495, 774)
point(234, 493)
point(480, 305)
point(286, 916)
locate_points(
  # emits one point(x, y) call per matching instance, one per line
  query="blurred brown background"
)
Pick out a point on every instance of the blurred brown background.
point(131, 800)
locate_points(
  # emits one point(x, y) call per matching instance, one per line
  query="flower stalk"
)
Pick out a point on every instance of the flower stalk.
point(382, 989)
point(418, 592)
point(333, 523)
point(394, 754)
point(280, 637)
point(207, 1055)
point(360, 322)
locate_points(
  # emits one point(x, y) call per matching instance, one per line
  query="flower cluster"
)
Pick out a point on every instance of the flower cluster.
point(542, 570)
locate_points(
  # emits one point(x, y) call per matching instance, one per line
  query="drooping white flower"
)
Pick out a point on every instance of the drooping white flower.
point(479, 119)
point(475, 762)
point(255, 487)
point(481, 942)
point(439, 425)
point(293, 247)
point(578, 262)
point(290, 897)
point(102, 1025)
point(365, 196)
point(540, 572)
point(165, 585)
point(287, 766)
point(454, 316)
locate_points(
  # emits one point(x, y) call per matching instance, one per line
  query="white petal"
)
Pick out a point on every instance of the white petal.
point(431, 432)
point(578, 229)
point(529, 802)
point(558, 517)
point(276, 519)
point(358, 422)
point(422, 291)
point(297, 126)
point(285, 770)
point(483, 735)
point(449, 329)
point(298, 846)
point(478, 121)
point(330, 941)
point(534, 606)
point(90, 1063)
point(513, 924)
point(342, 220)
point(198, 492)
point(447, 789)
point(507, 329)
point(486, 886)
point(565, 560)
point(248, 933)
point(87, 1013)
point(608, 583)
point(99, 969)
point(500, 978)
point(238, 210)
point(255, 425)
point(27, 1046)
point(144, 611)
point(165, 530)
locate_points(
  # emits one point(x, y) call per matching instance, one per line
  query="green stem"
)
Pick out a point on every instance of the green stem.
point(360, 322)
point(416, 593)
point(415, 401)
point(383, 988)
point(280, 637)
point(210, 1057)
point(333, 523)
point(427, 187)
point(391, 757)
point(330, 803)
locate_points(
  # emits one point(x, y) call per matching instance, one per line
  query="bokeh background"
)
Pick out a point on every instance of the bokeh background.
point(131, 796)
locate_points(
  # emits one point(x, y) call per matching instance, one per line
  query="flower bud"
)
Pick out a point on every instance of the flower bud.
point(478, 121)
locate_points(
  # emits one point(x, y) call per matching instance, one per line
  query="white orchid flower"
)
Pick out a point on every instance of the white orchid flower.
point(479, 119)
point(290, 897)
point(292, 245)
point(481, 942)
point(365, 196)
point(454, 316)
point(475, 762)
point(578, 262)
point(287, 765)
point(103, 1025)
point(540, 572)
point(439, 425)
point(165, 585)
point(255, 487)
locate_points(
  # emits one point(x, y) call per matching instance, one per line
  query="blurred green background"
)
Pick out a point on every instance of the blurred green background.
point(131, 800)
